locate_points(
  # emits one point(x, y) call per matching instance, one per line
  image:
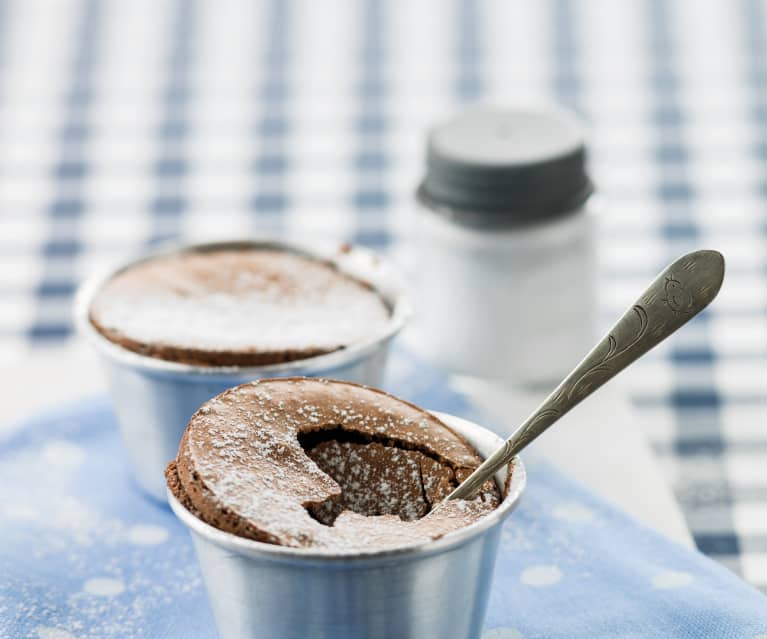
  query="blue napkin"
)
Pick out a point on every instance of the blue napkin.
point(84, 555)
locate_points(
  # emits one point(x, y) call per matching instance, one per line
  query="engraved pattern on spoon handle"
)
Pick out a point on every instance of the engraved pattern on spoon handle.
point(679, 293)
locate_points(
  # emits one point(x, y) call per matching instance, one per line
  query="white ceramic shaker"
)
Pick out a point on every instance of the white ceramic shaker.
point(504, 246)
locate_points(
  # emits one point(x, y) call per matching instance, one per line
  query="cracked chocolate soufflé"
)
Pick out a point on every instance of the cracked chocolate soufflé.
point(236, 307)
point(324, 464)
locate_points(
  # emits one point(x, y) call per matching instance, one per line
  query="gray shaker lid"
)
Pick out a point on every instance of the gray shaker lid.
point(506, 167)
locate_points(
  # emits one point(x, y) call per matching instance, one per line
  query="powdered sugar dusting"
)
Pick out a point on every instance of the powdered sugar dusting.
point(379, 480)
point(374, 490)
point(237, 300)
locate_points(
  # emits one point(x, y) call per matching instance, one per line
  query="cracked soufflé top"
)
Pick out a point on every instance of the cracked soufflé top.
point(324, 464)
point(236, 307)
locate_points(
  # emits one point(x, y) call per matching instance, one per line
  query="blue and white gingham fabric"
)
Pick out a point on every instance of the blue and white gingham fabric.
point(123, 124)
point(84, 554)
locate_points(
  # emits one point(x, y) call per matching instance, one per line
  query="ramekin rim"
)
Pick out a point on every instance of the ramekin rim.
point(395, 298)
point(273, 552)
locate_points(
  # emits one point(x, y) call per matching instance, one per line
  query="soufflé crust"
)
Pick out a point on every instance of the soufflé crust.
point(331, 465)
point(236, 307)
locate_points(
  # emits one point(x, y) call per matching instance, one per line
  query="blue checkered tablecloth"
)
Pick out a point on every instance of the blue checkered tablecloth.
point(123, 124)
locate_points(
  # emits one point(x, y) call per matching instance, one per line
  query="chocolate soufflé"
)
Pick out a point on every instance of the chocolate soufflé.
point(236, 307)
point(314, 463)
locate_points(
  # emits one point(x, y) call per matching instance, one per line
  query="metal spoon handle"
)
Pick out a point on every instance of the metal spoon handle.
point(678, 294)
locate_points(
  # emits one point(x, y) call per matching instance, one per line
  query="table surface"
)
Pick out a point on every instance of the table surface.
point(123, 124)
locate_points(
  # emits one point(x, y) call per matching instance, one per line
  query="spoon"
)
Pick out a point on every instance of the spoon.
point(677, 295)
